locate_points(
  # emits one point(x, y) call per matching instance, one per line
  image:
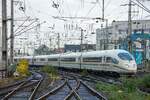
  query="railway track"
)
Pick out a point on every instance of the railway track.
point(24, 90)
point(107, 79)
point(72, 88)
point(93, 78)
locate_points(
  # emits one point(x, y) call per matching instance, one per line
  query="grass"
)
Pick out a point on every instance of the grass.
point(126, 91)
point(145, 81)
point(51, 71)
point(84, 72)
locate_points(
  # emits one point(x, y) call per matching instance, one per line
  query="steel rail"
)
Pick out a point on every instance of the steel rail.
point(24, 84)
point(53, 91)
point(97, 94)
point(73, 92)
point(35, 90)
point(12, 92)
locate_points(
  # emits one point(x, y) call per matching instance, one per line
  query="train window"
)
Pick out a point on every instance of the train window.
point(42, 59)
point(15, 60)
point(108, 59)
point(111, 60)
point(124, 56)
point(52, 59)
point(68, 59)
point(92, 59)
point(115, 61)
point(28, 60)
point(34, 59)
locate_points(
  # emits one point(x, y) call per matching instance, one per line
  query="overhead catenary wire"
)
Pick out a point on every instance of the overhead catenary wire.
point(26, 26)
point(142, 7)
point(29, 29)
point(21, 24)
point(90, 10)
point(107, 4)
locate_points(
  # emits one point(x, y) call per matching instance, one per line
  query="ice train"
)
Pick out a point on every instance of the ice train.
point(119, 61)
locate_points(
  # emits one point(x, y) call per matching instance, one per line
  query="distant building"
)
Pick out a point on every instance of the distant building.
point(71, 48)
point(77, 48)
point(60, 50)
point(89, 47)
point(109, 38)
point(115, 37)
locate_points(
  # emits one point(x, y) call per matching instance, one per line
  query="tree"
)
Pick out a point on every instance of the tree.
point(42, 50)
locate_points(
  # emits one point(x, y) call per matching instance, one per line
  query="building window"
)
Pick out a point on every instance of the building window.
point(92, 59)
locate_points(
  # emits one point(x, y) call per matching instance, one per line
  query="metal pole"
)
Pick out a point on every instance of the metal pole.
point(129, 28)
point(81, 48)
point(12, 35)
point(50, 40)
point(106, 34)
point(58, 42)
point(103, 10)
point(4, 35)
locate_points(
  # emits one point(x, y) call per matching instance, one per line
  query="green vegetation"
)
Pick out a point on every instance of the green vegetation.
point(145, 81)
point(12, 68)
point(126, 91)
point(22, 68)
point(84, 72)
point(51, 71)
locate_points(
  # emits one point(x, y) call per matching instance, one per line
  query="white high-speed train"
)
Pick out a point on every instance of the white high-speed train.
point(119, 61)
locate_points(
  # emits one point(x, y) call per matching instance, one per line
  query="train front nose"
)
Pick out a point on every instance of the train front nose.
point(133, 66)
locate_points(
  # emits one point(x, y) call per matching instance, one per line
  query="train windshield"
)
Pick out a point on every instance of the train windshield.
point(125, 56)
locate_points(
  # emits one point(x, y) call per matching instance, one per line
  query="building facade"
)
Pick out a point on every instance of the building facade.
point(77, 48)
point(118, 30)
point(116, 37)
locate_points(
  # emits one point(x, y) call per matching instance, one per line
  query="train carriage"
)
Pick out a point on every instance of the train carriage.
point(119, 61)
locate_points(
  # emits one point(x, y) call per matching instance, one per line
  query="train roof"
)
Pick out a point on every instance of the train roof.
point(84, 54)
point(103, 53)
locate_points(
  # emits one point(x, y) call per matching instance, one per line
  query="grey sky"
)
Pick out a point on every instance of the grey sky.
point(43, 10)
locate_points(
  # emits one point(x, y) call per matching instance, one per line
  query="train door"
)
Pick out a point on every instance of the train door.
point(102, 65)
point(80, 62)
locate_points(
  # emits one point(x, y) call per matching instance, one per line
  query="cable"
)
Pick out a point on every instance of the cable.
point(90, 10)
point(68, 9)
point(29, 29)
point(21, 24)
point(142, 7)
point(107, 4)
point(27, 26)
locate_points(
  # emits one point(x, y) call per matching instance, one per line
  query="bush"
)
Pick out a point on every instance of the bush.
point(22, 67)
point(124, 92)
point(84, 72)
point(145, 81)
point(50, 70)
point(12, 68)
